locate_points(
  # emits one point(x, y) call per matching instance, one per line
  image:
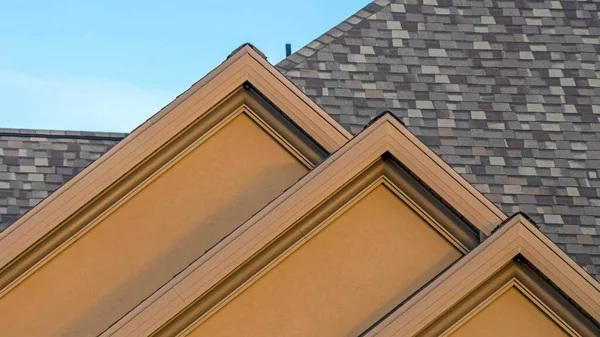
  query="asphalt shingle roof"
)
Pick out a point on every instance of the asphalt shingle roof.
point(34, 163)
point(506, 92)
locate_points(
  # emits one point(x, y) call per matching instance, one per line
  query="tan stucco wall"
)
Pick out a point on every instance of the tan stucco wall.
point(153, 236)
point(343, 279)
point(511, 314)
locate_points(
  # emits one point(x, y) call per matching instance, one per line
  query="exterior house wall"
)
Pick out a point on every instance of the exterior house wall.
point(346, 277)
point(515, 301)
point(511, 314)
point(154, 235)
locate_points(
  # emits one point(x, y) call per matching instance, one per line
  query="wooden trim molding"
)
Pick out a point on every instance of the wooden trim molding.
point(441, 178)
point(241, 101)
point(513, 283)
point(515, 239)
point(517, 274)
point(58, 217)
point(387, 138)
point(292, 239)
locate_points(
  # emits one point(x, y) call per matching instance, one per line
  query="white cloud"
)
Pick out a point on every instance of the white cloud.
point(75, 103)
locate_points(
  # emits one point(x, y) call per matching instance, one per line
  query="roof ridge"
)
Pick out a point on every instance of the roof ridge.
point(49, 133)
point(331, 35)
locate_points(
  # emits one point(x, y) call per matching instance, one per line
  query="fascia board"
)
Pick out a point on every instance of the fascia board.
point(279, 215)
point(244, 242)
point(338, 132)
point(158, 130)
point(440, 177)
point(517, 236)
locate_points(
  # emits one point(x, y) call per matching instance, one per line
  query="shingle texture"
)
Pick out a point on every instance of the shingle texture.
point(35, 163)
point(506, 92)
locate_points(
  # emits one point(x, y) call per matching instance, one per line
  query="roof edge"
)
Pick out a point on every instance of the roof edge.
point(65, 134)
point(246, 64)
point(308, 192)
point(517, 236)
point(331, 35)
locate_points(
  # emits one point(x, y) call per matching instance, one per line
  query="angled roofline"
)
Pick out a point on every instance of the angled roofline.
point(372, 66)
point(518, 236)
point(331, 35)
point(385, 135)
point(243, 66)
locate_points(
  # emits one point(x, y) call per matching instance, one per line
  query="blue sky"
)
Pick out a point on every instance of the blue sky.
point(109, 65)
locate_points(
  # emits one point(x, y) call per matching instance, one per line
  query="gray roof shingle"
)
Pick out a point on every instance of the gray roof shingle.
point(506, 92)
point(34, 163)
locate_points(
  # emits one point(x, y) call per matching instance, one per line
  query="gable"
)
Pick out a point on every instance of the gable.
point(253, 215)
point(511, 314)
point(245, 278)
point(157, 218)
point(351, 269)
point(517, 159)
point(155, 233)
point(244, 66)
point(557, 292)
point(515, 301)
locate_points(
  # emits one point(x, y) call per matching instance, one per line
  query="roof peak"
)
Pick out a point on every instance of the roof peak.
point(244, 48)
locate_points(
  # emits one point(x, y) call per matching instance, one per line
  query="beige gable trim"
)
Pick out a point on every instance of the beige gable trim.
point(520, 276)
point(385, 135)
point(517, 236)
point(440, 177)
point(516, 284)
point(246, 65)
point(324, 230)
point(513, 283)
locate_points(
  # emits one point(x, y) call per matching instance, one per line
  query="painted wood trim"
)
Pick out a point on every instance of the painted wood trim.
point(519, 274)
point(159, 129)
point(301, 232)
point(514, 238)
point(222, 116)
point(435, 173)
point(240, 245)
point(338, 133)
point(282, 213)
point(305, 233)
point(513, 283)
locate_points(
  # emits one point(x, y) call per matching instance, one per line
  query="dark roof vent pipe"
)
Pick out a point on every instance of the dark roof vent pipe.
point(288, 49)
